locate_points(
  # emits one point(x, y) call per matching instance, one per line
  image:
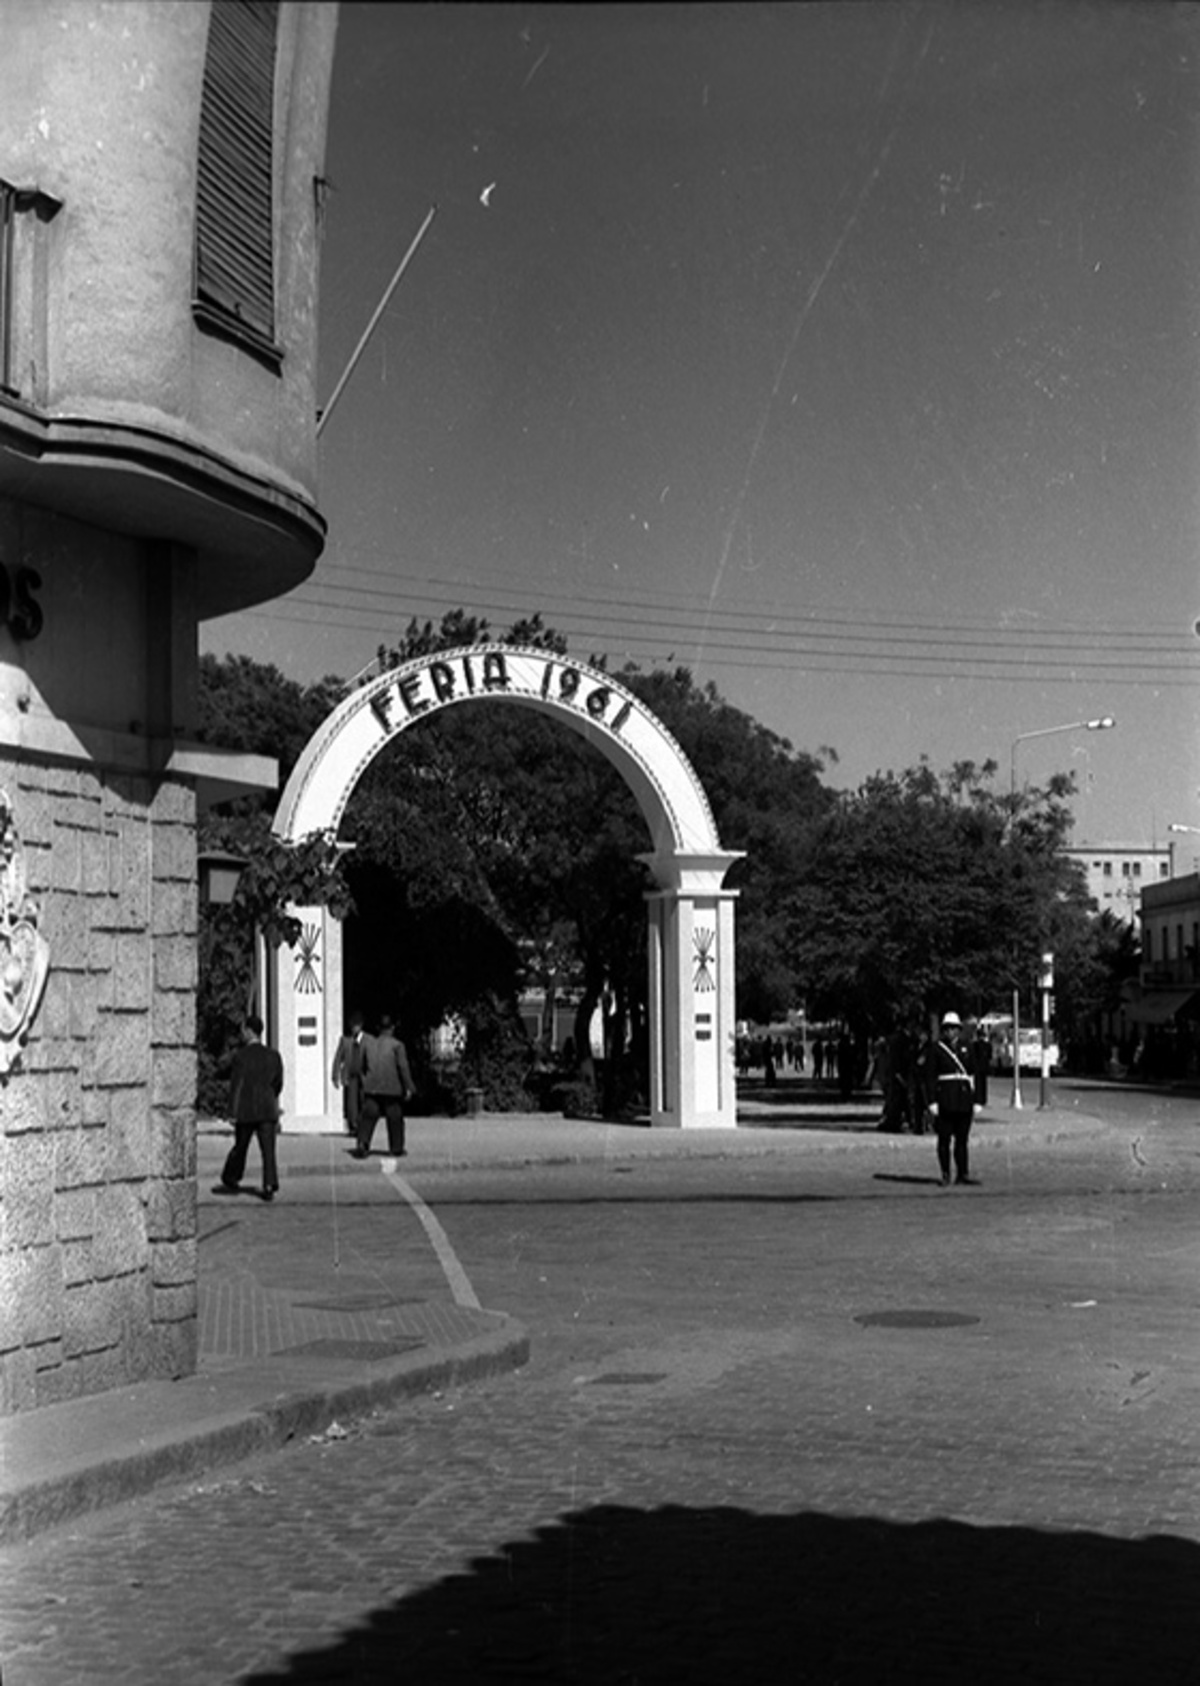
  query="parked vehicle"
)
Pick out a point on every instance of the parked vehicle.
point(999, 1028)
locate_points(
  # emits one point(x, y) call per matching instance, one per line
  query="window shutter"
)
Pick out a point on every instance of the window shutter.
point(7, 204)
point(235, 274)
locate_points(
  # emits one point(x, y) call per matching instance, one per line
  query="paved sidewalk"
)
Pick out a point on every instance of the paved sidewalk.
point(299, 1327)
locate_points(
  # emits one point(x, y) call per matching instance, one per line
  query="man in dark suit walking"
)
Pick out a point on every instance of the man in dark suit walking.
point(347, 1073)
point(255, 1085)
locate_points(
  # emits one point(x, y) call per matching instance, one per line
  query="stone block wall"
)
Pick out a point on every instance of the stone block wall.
point(97, 1140)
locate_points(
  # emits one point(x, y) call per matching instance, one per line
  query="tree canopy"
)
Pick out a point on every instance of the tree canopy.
point(921, 892)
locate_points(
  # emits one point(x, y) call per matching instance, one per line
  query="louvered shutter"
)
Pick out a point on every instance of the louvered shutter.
point(7, 201)
point(235, 279)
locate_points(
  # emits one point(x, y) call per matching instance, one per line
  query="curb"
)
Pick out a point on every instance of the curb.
point(223, 1431)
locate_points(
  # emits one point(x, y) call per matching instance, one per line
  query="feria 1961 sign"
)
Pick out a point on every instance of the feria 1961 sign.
point(584, 698)
point(444, 680)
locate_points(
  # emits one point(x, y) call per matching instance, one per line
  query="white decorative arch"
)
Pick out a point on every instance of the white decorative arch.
point(690, 913)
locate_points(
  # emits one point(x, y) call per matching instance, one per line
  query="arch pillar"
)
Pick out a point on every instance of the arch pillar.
point(690, 938)
point(304, 1020)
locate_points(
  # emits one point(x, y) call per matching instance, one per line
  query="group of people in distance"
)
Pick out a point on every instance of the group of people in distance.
point(374, 1076)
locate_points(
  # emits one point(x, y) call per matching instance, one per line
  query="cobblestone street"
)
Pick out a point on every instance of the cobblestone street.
point(816, 1421)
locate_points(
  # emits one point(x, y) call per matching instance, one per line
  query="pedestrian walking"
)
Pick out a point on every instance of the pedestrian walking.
point(898, 1106)
point(952, 1100)
point(818, 1054)
point(922, 1091)
point(881, 1072)
point(255, 1085)
point(981, 1063)
point(347, 1073)
point(387, 1084)
point(846, 1058)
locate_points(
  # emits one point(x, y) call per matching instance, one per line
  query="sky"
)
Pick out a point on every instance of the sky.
point(847, 354)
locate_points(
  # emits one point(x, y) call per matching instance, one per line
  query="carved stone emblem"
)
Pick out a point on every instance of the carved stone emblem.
point(24, 954)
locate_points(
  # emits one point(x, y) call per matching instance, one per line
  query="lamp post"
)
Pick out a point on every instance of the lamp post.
point(1102, 723)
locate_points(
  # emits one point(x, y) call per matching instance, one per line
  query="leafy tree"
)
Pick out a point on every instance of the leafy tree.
point(766, 796)
point(927, 891)
point(1088, 986)
point(251, 706)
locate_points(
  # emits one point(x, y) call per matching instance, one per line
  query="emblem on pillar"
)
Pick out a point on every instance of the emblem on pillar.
point(308, 961)
point(704, 945)
point(24, 954)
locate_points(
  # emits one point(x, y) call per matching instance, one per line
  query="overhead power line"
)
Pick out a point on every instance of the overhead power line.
point(868, 654)
point(823, 629)
point(403, 586)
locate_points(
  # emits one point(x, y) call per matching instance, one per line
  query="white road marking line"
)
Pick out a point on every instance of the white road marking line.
point(456, 1276)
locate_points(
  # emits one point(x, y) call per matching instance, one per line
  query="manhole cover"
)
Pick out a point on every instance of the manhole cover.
point(628, 1378)
point(915, 1319)
point(364, 1352)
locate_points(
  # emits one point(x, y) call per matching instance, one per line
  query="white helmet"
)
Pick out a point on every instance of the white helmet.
point(949, 1019)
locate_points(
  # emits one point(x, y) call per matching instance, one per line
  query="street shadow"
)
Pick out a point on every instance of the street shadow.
point(689, 1597)
point(896, 1177)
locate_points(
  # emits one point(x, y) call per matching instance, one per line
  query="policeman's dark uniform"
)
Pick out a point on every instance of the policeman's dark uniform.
point(952, 1090)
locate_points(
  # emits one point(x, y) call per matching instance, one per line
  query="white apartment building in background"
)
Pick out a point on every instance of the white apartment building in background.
point(1117, 873)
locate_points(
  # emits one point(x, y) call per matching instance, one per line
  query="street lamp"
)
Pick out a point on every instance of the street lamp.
point(1101, 724)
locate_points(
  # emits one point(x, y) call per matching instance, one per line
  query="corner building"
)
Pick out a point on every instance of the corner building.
point(161, 186)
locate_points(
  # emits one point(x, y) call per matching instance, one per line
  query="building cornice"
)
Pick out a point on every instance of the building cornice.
point(256, 538)
point(219, 775)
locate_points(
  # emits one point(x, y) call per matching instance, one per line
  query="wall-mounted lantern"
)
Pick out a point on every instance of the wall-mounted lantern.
point(218, 875)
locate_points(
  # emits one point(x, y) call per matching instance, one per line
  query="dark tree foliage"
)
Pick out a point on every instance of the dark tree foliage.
point(250, 706)
point(766, 797)
point(921, 893)
point(1089, 975)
